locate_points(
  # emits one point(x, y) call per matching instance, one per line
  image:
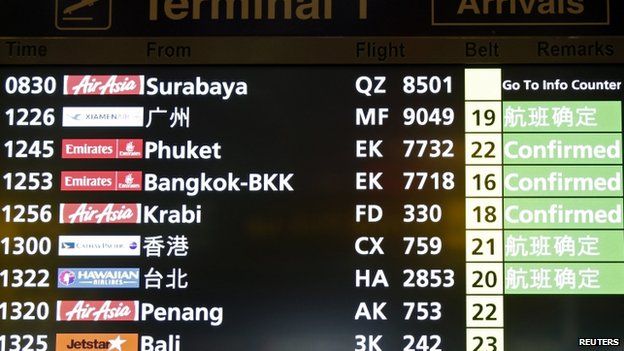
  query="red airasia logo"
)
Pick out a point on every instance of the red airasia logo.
point(97, 311)
point(102, 149)
point(102, 181)
point(100, 213)
point(103, 85)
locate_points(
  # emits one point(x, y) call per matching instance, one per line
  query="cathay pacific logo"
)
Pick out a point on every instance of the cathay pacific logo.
point(99, 245)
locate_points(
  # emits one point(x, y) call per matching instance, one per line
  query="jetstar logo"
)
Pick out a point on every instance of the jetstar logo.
point(103, 85)
point(100, 213)
point(97, 311)
point(102, 181)
point(102, 148)
point(97, 342)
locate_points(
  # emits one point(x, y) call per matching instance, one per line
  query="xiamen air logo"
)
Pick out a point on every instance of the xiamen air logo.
point(84, 14)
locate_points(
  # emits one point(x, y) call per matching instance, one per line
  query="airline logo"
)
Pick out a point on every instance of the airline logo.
point(103, 116)
point(97, 342)
point(103, 85)
point(102, 181)
point(99, 245)
point(97, 311)
point(98, 278)
point(102, 149)
point(100, 213)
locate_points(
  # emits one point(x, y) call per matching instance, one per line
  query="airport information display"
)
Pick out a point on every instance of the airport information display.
point(260, 191)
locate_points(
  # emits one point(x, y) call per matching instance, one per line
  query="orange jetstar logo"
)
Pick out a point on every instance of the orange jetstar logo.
point(97, 342)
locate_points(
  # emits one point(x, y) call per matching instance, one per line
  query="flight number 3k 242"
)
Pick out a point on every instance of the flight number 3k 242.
point(411, 343)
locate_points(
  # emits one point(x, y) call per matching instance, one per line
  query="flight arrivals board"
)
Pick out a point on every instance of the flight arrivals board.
point(311, 176)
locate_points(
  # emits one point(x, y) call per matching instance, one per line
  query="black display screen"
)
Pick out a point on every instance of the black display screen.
point(330, 193)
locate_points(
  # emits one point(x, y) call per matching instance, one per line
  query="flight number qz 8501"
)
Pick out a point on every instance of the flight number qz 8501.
point(419, 85)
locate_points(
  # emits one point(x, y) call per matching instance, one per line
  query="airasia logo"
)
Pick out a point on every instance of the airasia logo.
point(102, 149)
point(102, 181)
point(97, 311)
point(100, 213)
point(103, 85)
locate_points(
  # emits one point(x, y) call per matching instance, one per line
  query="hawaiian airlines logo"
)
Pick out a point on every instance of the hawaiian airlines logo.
point(97, 311)
point(103, 85)
point(97, 342)
point(99, 245)
point(98, 278)
point(66, 277)
point(102, 181)
point(102, 148)
point(100, 213)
